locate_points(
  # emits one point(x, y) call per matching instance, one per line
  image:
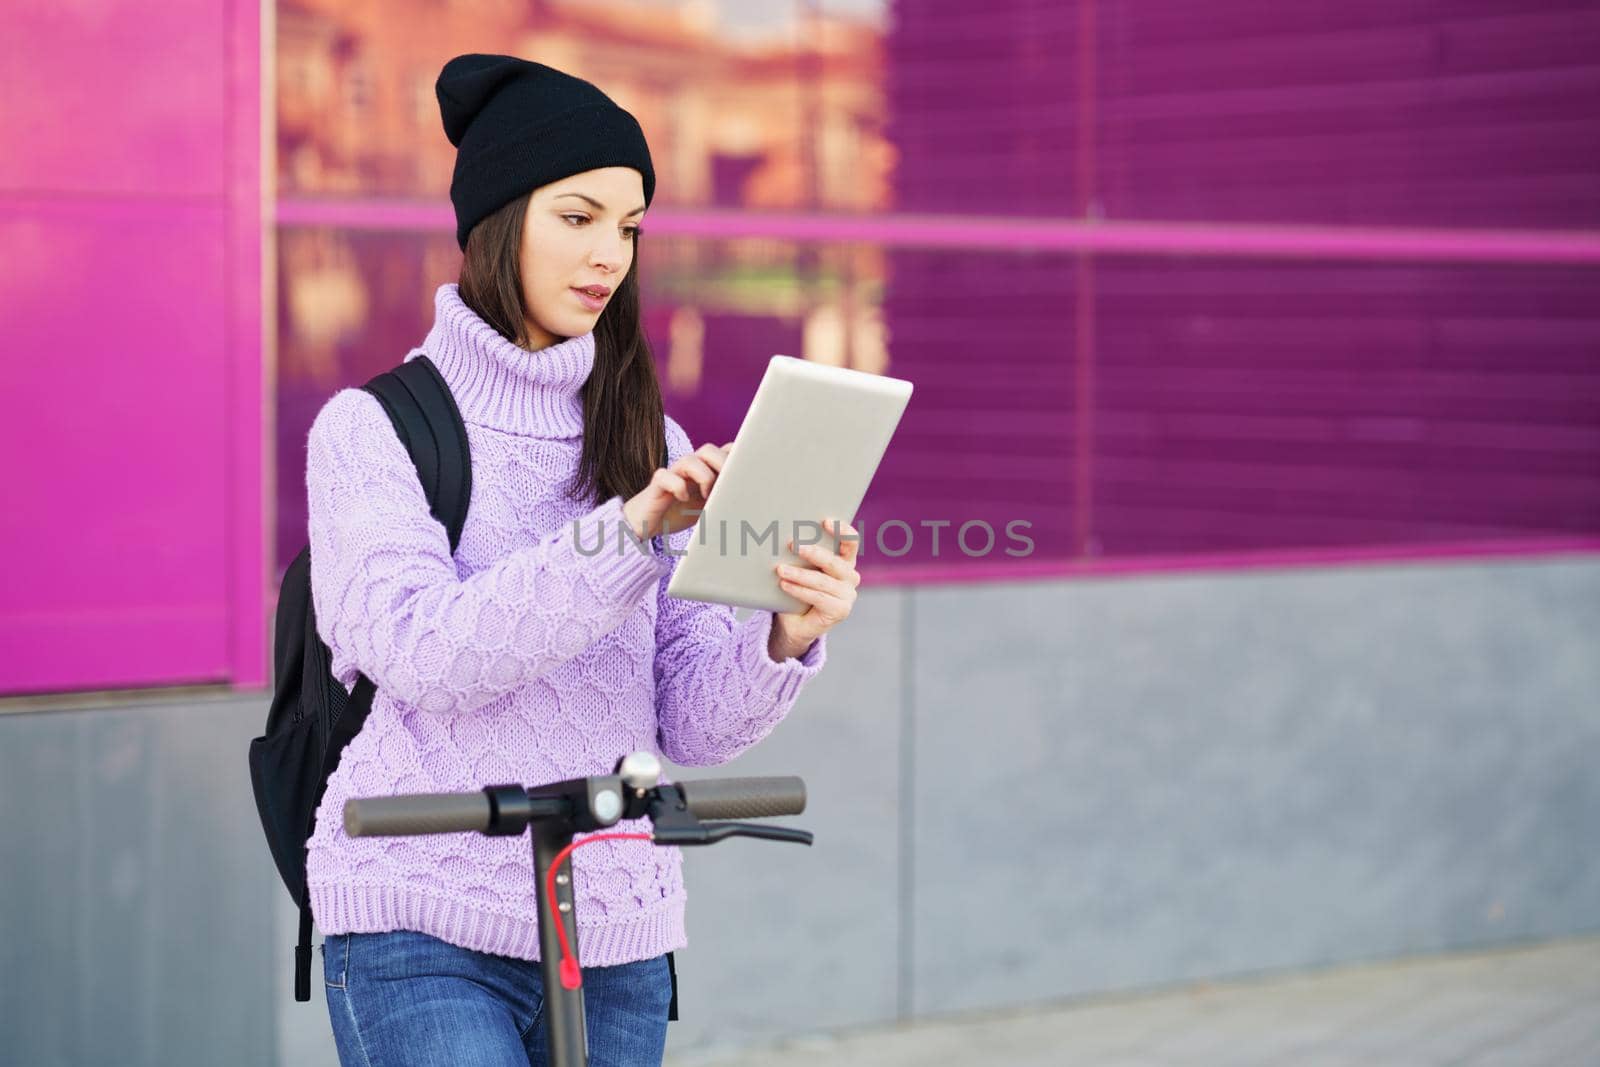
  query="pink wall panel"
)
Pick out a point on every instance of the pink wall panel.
point(112, 96)
point(130, 306)
point(120, 500)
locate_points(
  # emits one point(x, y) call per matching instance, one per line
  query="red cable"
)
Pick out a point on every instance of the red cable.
point(570, 976)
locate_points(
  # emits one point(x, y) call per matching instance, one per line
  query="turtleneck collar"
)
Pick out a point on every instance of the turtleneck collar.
point(499, 385)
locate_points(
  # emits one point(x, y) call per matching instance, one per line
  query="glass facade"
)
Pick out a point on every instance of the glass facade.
point(1179, 285)
point(1162, 403)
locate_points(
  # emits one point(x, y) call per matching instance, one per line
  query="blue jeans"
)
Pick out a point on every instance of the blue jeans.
point(407, 999)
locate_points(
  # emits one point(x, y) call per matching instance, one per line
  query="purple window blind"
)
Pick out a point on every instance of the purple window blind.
point(1173, 405)
point(1374, 112)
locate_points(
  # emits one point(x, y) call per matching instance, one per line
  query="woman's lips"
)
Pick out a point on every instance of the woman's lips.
point(590, 301)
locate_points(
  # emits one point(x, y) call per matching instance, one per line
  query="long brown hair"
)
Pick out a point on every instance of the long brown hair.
point(624, 425)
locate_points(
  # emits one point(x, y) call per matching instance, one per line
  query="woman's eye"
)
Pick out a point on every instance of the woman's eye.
point(630, 232)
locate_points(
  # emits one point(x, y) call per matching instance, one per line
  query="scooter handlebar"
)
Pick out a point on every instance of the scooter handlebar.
point(444, 813)
point(416, 813)
point(744, 798)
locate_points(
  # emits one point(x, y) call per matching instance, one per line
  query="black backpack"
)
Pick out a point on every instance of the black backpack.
point(312, 718)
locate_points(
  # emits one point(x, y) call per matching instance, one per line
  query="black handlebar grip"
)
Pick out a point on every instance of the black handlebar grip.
point(416, 813)
point(745, 798)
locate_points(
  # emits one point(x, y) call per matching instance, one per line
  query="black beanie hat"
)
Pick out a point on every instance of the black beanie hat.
point(518, 125)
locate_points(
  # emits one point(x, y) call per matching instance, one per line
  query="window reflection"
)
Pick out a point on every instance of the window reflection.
point(1125, 406)
point(772, 105)
point(353, 303)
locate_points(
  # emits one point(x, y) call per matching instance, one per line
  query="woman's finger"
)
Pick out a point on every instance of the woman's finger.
point(849, 542)
point(670, 483)
point(828, 605)
point(692, 466)
point(839, 564)
point(831, 563)
point(715, 457)
point(818, 580)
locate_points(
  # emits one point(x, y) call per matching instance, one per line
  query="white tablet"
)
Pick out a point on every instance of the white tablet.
point(807, 449)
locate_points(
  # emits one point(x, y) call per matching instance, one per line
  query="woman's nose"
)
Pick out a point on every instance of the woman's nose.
point(610, 255)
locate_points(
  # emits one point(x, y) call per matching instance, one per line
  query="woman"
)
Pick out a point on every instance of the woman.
point(528, 657)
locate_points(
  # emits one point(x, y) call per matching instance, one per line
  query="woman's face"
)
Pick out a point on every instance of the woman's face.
point(578, 234)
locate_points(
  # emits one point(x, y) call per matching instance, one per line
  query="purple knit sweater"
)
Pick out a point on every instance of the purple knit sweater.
point(521, 659)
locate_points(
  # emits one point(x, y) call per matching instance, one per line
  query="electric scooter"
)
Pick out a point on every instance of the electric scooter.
point(561, 810)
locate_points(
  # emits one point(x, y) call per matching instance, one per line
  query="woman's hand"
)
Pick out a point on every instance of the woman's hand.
point(662, 507)
point(830, 590)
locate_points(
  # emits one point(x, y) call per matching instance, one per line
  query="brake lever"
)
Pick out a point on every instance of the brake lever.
point(709, 833)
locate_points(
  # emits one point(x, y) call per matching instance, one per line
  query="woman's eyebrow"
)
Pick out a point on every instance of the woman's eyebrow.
point(598, 206)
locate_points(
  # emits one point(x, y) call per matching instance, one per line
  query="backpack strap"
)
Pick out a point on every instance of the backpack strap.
point(302, 953)
point(429, 424)
point(345, 728)
point(426, 419)
point(672, 971)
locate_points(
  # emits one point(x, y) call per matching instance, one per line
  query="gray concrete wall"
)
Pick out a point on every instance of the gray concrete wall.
point(136, 888)
point(1021, 792)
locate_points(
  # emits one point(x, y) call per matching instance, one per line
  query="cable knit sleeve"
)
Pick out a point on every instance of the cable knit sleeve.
point(717, 690)
point(386, 593)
